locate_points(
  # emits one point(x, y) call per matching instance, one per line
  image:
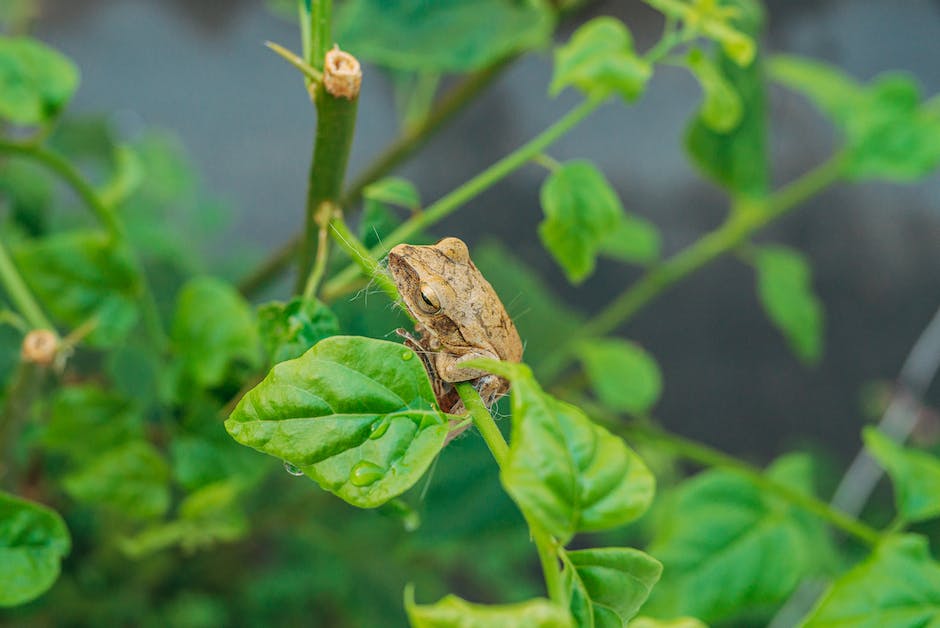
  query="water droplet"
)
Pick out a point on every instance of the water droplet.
point(379, 428)
point(406, 355)
point(292, 469)
point(365, 473)
point(411, 521)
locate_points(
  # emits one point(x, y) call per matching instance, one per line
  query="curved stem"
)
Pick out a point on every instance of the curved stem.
point(340, 283)
point(24, 300)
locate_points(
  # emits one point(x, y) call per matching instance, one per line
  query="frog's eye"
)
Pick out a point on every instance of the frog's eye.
point(429, 302)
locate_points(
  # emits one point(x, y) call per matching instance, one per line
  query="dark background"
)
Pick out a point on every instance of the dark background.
point(199, 69)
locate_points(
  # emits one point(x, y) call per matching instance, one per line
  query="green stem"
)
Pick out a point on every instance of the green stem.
point(319, 264)
point(748, 218)
point(452, 201)
point(16, 288)
point(336, 123)
point(360, 255)
point(320, 27)
point(545, 545)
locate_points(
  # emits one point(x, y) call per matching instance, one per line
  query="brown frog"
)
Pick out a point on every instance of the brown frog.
point(459, 318)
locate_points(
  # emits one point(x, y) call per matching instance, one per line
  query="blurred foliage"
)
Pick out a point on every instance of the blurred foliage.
point(163, 371)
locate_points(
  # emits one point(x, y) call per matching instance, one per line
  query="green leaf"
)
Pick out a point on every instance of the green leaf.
point(36, 81)
point(28, 192)
point(721, 109)
point(890, 134)
point(289, 329)
point(214, 329)
point(444, 36)
point(607, 586)
point(80, 275)
point(679, 622)
point(633, 240)
point(198, 462)
point(784, 286)
point(897, 586)
point(728, 548)
point(394, 191)
point(355, 414)
point(132, 479)
point(737, 157)
point(127, 177)
point(85, 421)
point(581, 211)
point(452, 612)
point(914, 474)
point(33, 541)
point(722, 21)
point(566, 472)
point(622, 374)
point(599, 60)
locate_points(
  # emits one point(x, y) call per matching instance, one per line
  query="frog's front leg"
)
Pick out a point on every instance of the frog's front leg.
point(451, 367)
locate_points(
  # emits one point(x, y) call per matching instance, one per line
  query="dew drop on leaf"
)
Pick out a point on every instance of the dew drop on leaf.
point(365, 473)
point(292, 469)
point(406, 355)
point(379, 428)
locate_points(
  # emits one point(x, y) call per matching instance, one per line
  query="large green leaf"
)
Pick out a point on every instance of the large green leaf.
point(566, 472)
point(599, 60)
point(453, 612)
point(735, 156)
point(35, 81)
point(608, 585)
point(290, 329)
point(622, 374)
point(355, 414)
point(443, 36)
point(890, 133)
point(214, 329)
point(80, 275)
point(33, 541)
point(914, 474)
point(784, 285)
point(897, 586)
point(727, 547)
point(85, 421)
point(132, 478)
point(582, 214)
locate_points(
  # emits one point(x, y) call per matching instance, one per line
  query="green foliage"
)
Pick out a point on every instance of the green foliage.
point(85, 421)
point(599, 60)
point(33, 541)
point(355, 414)
point(453, 611)
point(288, 329)
point(898, 586)
point(607, 586)
point(716, 19)
point(914, 474)
point(622, 374)
point(36, 82)
point(729, 547)
point(83, 275)
point(890, 133)
point(721, 107)
point(446, 36)
point(394, 191)
point(584, 217)
point(784, 286)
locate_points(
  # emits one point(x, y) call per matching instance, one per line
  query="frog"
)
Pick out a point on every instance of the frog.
point(458, 317)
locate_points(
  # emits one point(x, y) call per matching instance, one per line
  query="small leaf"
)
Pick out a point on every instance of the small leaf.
point(86, 420)
point(721, 110)
point(355, 414)
point(581, 210)
point(394, 191)
point(622, 374)
point(132, 479)
point(897, 586)
point(33, 541)
point(36, 81)
point(914, 474)
point(599, 59)
point(609, 585)
point(289, 329)
point(444, 36)
point(633, 240)
point(719, 21)
point(214, 329)
point(80, 275)
point(452, 611)
point(729, 548)
point(784, 286)
point(563, 470)
point(127, 178)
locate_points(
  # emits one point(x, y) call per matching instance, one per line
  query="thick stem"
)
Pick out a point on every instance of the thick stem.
point(339, 284)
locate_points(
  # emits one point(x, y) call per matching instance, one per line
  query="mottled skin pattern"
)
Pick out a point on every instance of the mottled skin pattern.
point(459, 318)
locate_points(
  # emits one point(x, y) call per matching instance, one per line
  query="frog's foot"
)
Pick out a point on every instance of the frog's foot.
point(491, 388)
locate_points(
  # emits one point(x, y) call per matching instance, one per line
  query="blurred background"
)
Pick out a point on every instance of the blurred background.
point(200, 71)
